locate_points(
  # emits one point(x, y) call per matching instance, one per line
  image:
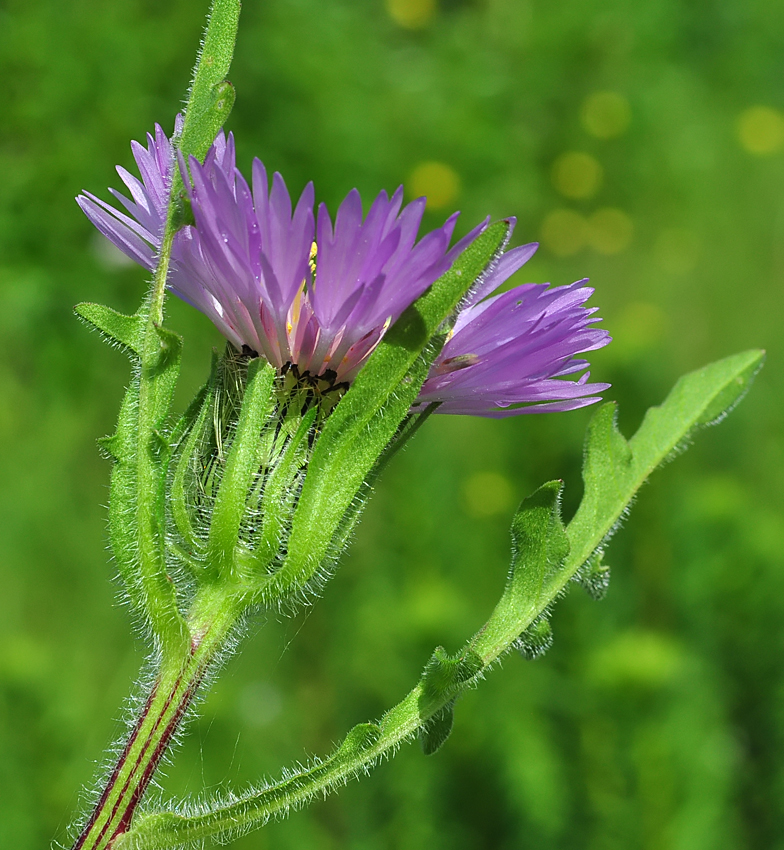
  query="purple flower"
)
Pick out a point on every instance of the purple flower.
point(509, 353)
point(320, 305)
point(139, 234)
point(306, 293)
point(252, 265)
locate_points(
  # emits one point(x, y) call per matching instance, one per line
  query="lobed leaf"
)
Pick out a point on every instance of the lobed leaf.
point(427, 711)
point(614, 469)
point(433, 735)
point(539, 549)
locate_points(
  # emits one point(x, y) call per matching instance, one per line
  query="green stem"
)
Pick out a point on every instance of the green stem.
point(209, 103)
point(362, 749)
point(215, 617)
point(142, 452)
point(155, 390)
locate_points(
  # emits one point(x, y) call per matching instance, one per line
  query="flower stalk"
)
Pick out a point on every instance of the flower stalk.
point(186, 649)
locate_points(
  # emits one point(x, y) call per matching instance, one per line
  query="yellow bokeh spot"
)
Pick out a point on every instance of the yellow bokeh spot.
point(486, 494)
point(610, 231)
point(605, 114)
point(677, 250)
point(564, 232)
point(412, 14)
point(438, 182)
point(577, 175)
point(761, 130)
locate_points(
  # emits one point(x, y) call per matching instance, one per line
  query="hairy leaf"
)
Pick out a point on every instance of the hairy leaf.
point(140, 446)
point(126, 332)
point(614, 469)
point(242, 465)
point(211, 98)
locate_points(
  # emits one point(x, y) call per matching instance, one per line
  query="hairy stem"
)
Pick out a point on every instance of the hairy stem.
point(159, 720)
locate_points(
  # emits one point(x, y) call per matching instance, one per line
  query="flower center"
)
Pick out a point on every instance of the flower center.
point(305, 390)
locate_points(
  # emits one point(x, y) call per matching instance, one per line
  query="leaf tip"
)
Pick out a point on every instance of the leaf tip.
point(536, 639)
point(362, 737)
point(433, 735)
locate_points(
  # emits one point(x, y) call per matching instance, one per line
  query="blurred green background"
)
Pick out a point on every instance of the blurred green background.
point(643, 144)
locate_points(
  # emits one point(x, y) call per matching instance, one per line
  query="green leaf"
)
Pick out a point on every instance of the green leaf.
point(211, 97)
point(594, 576)
point(539, 548)
point(433, 735)
point(427, 710)
point(542, 565)
point(614, 470)
point(136, 510)
point(116, 328)
point(140, 446)
point(137, 519)
point(536, 639)
point(367, 417)
point(361, 739)
point(444, 675)
point(242, 466)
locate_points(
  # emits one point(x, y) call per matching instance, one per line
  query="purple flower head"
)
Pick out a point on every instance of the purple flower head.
point(510, 353)
point(286, 282)
point(319, 304)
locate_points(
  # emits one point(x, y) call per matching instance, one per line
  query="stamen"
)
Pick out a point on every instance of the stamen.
point(454, 364)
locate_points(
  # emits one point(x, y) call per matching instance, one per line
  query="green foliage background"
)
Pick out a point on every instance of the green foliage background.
point(656, 721)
